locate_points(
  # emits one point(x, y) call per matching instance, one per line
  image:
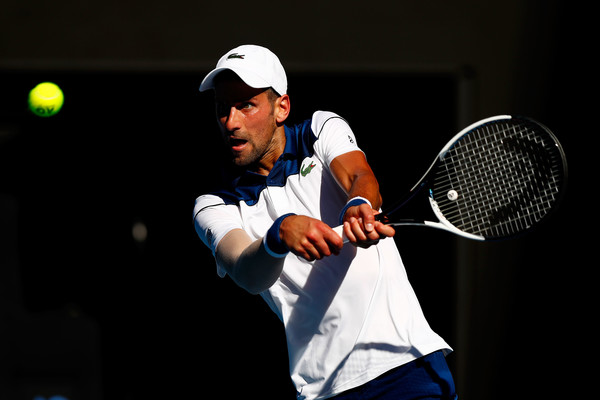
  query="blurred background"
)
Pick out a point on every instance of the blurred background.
point(107, 293)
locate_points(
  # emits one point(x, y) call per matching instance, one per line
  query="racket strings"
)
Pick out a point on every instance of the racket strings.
point(499, 179)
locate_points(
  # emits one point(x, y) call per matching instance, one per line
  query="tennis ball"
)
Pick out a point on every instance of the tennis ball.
point(46, 99)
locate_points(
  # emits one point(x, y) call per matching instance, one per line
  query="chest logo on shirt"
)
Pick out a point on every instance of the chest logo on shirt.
point(305, 170)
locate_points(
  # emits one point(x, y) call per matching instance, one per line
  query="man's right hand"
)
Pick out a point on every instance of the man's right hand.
point(309, 238)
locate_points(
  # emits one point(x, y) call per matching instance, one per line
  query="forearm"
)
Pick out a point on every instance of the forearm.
point(247, 262)
point(255, 270)
point(256, 265)
point(366, 186)
point(355, 176)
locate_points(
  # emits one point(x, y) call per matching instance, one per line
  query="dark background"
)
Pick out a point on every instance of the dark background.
point(90, 313)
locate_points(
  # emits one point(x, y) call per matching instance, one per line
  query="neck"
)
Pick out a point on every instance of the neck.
point(270, 157)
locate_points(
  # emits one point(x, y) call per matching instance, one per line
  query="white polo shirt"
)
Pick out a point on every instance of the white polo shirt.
point(348, 318)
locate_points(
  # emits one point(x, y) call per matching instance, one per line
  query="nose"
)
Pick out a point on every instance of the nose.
point(232, 120)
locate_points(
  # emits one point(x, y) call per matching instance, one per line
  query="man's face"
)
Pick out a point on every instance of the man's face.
point(247, 122)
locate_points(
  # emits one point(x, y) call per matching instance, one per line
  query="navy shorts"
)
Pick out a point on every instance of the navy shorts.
point(427, 377)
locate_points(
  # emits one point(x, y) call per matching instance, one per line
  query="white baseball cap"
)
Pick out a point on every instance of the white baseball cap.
point(257, 66)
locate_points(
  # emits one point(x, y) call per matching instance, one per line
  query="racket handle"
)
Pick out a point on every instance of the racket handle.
point(340, 231)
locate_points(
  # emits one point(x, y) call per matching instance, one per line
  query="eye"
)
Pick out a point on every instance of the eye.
point(224, 108)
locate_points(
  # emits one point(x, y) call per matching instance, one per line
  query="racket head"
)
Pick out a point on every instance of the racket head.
point(498, 178)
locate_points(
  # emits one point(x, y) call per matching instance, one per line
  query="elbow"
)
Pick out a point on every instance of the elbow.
point(253, 288)
point(251, 283)
point(255, 270)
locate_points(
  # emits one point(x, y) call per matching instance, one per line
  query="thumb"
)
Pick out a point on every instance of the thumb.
point(367, 216)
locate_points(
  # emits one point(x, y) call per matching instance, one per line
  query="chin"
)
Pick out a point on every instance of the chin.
point(241, 162)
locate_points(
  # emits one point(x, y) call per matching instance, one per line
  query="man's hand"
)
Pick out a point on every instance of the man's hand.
point(309, 238)
point(361, 229)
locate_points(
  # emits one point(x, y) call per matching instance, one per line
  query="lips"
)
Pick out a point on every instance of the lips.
point(237, 144)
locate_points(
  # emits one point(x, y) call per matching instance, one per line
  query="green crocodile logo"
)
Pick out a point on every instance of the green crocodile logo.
point(306, 170)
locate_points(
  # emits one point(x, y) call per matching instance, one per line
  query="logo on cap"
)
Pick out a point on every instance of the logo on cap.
point(235, 55)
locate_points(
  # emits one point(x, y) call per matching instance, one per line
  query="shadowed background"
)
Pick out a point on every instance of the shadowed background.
point(90, 308)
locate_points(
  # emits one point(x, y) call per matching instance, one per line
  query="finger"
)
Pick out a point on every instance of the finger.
point(348, 232)
point(367, 216)
point(333, 241)
point(305, 250)
point(313, 253)
point(363, 238)
point(374, 234)
point(322, 248)
point(371, 238)
point(384, 230)
point(357, 229)
point(302, 253)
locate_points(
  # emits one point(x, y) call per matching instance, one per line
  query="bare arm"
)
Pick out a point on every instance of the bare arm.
point(250, 265)
point(247, 262)
point(356, 177)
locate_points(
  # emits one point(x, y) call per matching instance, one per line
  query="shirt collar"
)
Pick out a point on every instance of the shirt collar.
point(290, 152)
point(291, 147)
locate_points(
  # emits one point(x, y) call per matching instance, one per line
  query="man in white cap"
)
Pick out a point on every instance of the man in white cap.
point(353, 325)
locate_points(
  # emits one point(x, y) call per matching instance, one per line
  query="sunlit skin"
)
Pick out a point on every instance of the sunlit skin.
point(252, 124)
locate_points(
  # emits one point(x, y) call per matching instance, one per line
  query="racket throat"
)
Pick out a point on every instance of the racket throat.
point(413, 209)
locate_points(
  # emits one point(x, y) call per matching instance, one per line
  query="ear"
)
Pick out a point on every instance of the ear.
point(282, 108)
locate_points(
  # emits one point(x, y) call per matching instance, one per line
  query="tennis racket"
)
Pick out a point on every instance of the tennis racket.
point(496, 179)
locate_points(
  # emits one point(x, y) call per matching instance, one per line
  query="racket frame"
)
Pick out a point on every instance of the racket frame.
point(442, 222)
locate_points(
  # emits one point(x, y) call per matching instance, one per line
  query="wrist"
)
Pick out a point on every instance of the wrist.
point(272, 240)
point(355, 201)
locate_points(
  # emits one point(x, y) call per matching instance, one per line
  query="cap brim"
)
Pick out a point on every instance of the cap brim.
point(249, 78)
point(207, 82)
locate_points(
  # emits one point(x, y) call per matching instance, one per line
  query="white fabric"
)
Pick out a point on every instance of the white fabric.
point(347, 318)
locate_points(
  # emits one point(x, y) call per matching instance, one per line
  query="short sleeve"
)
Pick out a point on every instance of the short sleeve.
point(213, 219)
point(334, 135)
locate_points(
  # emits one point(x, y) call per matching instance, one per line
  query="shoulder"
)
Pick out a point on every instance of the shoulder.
point(326, 119)
point(333, 135)
point(316, 123)
point(214, 218)
point(322, 124)
point(207, 202)
point(245, 188)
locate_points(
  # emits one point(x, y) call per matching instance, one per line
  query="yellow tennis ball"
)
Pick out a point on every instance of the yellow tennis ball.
point(46, 99)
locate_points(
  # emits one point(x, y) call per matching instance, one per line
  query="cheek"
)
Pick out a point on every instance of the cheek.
point(265, 135)
point(257, 128)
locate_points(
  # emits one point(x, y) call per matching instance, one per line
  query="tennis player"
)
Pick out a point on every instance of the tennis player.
point(353, 325)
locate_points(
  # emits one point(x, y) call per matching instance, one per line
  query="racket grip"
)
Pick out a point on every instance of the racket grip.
point(340, 231)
